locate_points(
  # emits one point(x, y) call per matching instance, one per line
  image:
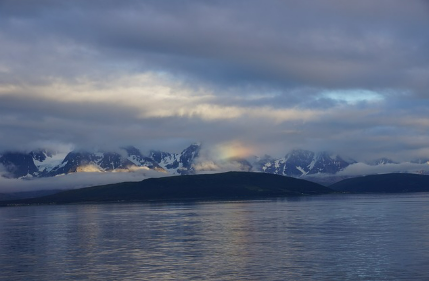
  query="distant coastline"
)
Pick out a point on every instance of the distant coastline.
point(226, 186)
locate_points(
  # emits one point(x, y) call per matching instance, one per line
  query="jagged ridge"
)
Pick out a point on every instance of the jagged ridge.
point(42, 163)
point(297, 163)
point(303, 162)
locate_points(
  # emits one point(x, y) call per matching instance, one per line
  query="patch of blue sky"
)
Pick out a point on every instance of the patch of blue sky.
point(352, 96)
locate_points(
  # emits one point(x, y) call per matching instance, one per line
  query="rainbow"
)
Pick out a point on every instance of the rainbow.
point(234, 149)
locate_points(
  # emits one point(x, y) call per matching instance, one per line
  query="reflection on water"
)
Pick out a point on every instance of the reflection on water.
point(341, 237)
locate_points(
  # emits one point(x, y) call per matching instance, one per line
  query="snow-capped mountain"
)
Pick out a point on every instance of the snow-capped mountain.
point(44, 163)
point(177, 163)
point(112, 161)
point(303, 162)
point(382, 161)
point(297, 163)
point(46, 160)
point(82, 161)
point(136, 158)
point(17, 165)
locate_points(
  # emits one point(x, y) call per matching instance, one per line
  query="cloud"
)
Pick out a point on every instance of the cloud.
point(364, 169)
point(212, 167)
point(223, 157)
point(73, 181)
point(4, 173)
point(320, 43)
point(350, 77)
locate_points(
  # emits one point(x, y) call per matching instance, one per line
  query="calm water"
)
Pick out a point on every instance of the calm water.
point(342, 237)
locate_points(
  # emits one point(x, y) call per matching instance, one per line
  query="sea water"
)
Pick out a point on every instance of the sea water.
point(332, 237)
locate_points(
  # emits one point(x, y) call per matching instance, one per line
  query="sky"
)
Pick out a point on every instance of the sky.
point(254, 77)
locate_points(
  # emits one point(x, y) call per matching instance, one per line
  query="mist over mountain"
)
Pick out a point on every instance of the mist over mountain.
point(321, 167)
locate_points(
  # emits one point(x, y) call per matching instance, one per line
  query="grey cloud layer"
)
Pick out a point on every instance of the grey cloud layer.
point(248, 71)
point(317, 43)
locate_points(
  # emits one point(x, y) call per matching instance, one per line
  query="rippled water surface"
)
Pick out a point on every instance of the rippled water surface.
point(341, 237)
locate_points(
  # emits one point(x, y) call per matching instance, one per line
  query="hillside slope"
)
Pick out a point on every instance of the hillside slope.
point(231, 185)
point(385, 183)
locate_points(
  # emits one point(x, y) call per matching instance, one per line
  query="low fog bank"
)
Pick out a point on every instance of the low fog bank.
point(362, 169)
point(74, 181)
point(359, 169)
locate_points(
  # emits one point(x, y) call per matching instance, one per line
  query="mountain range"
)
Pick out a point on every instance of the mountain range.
point(297, 163)
point(46, 163)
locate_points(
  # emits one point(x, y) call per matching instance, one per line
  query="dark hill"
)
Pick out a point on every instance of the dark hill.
point(386, 183)
point(231, 185)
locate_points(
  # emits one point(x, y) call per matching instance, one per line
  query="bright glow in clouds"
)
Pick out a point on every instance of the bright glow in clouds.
point(221, 157)
point(353, 96)
point(89, 169)
point(233, 149)
point(155, 96)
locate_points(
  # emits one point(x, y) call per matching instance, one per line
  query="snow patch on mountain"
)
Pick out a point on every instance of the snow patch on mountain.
point(382, 161)
point(300, 163)
point(46, 160)
point(177, 163)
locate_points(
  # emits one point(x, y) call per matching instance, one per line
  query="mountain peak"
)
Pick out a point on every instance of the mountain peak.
point(18, 165)
point(382, 161)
